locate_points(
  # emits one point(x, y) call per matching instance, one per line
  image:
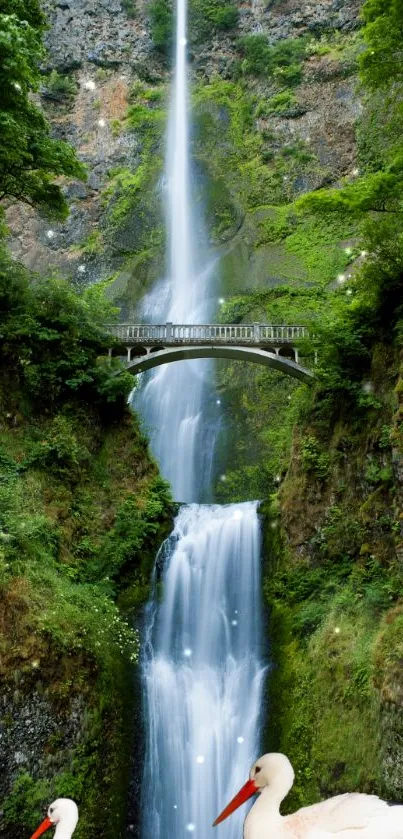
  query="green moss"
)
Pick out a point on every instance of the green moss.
point(333, 586)
point(134, 221)
point(94, 244)
point(70, 550)
point(323, 637)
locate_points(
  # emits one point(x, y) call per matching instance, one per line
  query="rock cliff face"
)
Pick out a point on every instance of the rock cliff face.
point(333, 582)
point(110, 55)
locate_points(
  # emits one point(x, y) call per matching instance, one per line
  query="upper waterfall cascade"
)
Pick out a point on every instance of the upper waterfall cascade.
point(172, 397)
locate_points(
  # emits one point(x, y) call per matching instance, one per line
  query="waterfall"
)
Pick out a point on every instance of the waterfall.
point(202, 673)
point(201, 670)
point(171, 400)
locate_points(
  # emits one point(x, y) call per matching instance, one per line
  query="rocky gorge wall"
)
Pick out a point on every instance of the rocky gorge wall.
point(333, 585)
point(114, 229)
point(274, 117)
point(69, 695)
point(83, 511)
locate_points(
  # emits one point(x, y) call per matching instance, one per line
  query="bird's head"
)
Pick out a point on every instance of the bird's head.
point(269, 768)
point(268, 771)
point(63, 812)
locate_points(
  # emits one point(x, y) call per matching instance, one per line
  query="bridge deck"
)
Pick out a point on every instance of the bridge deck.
point(173, 334)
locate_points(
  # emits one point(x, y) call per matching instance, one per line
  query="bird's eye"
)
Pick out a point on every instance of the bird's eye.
point(257, 769)
point(51, 809)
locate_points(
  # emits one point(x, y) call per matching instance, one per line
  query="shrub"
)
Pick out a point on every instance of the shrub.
point(283, 61)
point(130, 7)
point(61, 452)
point(314, 459)
point(278, 104)
point(161, 20)
point(59, 87)
point(226, 17)
point(208, 16)
point(137, 521)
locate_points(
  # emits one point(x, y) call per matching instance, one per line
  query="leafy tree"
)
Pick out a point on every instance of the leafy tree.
point(382, 62)
point(29, 158)
point(52, 343)
point(379, 191)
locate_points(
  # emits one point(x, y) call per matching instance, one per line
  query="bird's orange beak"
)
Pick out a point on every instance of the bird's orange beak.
point(244, 793)
point(46, 824)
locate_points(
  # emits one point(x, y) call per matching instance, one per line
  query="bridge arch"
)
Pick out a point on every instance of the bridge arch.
point(287, 351)
point(250, 354)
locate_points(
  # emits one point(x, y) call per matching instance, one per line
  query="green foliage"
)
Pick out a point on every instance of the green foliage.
point(161, 23)
point(130, 8)
point(209, 16)
point(146, 121)
point(281, 61)
point(134, 215)
point(80, 504)
point(68, 566)
point(93, 245)
point(342, 48)
point(314, 459)
point(205, 18)
point(25, 805)
point(378, 192)
point(61, 453)
point(330, 645)
point(29, 158)
point(134, 529)
point(116, 127)
point(59, 87)
point(381, 62)
point(52, 338)
point(280, 103)
point(373, 310)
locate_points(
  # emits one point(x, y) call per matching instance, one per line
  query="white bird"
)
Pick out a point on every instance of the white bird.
point(349, 816)
point(64, 814)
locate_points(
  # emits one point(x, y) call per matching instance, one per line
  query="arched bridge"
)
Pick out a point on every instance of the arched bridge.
point(150, 345)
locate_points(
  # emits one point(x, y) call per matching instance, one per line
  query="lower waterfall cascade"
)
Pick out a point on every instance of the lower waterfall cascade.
point(202, 673)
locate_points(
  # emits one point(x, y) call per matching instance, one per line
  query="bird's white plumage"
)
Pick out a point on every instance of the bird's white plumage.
point(63, 813)
point(349, 816)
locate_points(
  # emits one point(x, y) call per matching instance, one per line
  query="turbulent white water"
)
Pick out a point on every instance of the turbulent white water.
point(202, 673)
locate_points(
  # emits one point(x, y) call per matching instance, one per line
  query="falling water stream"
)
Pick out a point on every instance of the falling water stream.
point(172, 398)
point(201, 669)
point(203, 677)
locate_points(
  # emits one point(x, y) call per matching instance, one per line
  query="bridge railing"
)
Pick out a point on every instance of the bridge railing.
point(173, 333)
